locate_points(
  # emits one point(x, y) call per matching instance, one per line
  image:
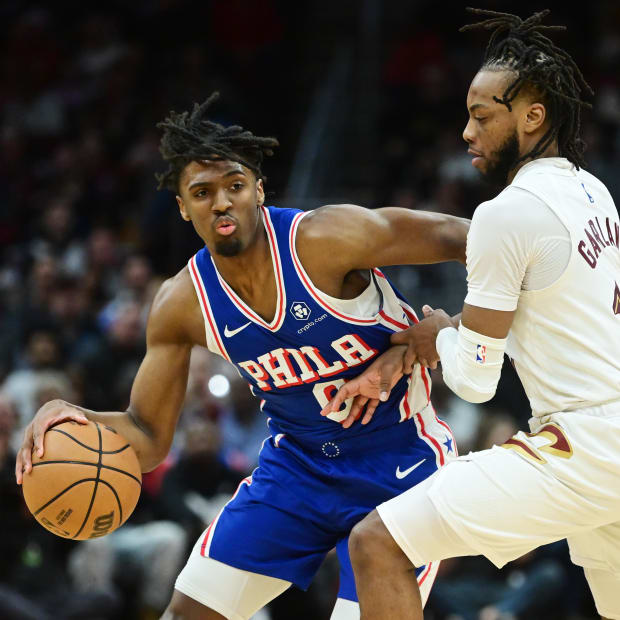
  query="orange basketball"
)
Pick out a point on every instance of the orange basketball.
point(87, 483)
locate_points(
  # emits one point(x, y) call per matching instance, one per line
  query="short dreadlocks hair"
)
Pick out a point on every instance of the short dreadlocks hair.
point(191, 137)
point(521, 47)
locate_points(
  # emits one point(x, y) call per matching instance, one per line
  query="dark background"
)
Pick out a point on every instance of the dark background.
point(367, 99)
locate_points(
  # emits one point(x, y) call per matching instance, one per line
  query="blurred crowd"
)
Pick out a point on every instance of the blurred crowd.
point(86, 240)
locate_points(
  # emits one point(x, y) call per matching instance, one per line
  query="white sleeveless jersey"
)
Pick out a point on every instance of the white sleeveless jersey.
point(565, 338)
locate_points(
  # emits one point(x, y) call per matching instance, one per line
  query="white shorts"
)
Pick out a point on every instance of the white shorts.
point(239, 594)
point(561, 481)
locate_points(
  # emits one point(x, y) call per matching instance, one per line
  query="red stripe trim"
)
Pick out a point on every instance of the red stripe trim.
point(310, 287)
point(389, 319)
point(204, 542)
point(379, 273)
point(205, 306)
point(427, 387)
point(276, 256)
point(406, 403)
point(435, 443)
point(425, 574)
point(410, 314)
point(447, 427)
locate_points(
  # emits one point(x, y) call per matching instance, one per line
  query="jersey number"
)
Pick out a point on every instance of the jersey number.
point(325, 391)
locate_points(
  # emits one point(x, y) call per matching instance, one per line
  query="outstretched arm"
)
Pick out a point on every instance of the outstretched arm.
point(342, 238)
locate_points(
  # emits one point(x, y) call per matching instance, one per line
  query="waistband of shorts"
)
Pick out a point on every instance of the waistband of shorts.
point(609, 409)
point(397, 434)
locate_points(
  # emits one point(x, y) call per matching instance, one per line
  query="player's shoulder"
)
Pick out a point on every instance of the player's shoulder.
point(504, 208)
point(507, 219)
point(175, 307)
point(329, 216)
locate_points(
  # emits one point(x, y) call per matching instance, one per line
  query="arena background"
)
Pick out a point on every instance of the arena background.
point(367, 99)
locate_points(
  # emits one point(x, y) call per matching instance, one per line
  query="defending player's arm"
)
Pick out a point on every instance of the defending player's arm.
point(500, 248)
point(158, 390)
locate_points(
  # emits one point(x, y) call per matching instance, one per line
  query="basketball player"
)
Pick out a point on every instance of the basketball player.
point(294, 300)
point(543, 285)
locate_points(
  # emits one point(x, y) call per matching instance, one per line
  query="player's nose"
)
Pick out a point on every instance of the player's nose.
point(468, 132)
point(221, 200)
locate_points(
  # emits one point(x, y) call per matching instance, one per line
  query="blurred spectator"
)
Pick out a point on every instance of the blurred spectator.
point(198, 485)
point(138, 562)
point(41, 365)
point(106, 372)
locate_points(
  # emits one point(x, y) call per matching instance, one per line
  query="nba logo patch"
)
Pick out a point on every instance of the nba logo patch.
point(481, 353)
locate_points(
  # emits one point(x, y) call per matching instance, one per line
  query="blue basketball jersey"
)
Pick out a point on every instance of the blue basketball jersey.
point(315, 480)
point(296, 362)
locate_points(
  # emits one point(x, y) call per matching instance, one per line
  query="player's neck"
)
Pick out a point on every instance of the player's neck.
point(249, 268)
point(550, 151)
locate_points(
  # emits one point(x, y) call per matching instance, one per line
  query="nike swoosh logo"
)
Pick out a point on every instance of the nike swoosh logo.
point(403, 474)
point(230, 333)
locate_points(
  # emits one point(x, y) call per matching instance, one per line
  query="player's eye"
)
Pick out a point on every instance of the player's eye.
point(237, 186)
point(201, 193)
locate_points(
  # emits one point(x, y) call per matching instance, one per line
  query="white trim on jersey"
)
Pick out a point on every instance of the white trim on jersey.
point(317, 294)
point(212, 335)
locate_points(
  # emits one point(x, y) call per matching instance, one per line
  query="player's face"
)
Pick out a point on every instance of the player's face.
point(221, 199)
point(493, 131)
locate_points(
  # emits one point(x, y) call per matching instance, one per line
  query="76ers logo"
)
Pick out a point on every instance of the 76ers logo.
point(300, 310)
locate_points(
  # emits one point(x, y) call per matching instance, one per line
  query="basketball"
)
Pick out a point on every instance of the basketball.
point(87, 483)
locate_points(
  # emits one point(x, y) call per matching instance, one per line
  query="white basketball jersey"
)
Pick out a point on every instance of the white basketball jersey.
point(565, 339)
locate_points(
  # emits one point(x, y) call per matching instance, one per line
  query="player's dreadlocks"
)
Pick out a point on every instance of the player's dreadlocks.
point(520, 46)
point(191, 137)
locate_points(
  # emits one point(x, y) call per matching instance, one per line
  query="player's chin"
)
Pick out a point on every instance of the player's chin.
point(481, 164)
point(230, 246)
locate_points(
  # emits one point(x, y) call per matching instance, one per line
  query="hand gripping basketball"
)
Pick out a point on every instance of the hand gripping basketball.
point(52, 413)
point(85, 479)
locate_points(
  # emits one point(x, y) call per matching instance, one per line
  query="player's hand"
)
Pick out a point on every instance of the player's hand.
point(369, 388)
point(420, 339)
point(52, 413)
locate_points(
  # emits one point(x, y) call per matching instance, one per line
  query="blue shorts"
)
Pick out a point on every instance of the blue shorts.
point(300, 503)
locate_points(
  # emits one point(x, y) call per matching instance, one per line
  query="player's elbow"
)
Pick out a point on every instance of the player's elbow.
point(474, 396)
point(470, 391)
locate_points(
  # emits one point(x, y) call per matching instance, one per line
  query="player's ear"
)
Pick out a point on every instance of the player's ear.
point(535, 117)
point(260, 193)
point(182, 209)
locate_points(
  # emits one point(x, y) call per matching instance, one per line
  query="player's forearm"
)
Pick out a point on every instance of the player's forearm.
point(471, 363)
point(421, 237)
point(150, 449)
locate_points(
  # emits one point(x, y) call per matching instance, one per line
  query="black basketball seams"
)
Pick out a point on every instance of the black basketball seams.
point(116, 469)
point(51, 501)
point(57, 430)
point(92, 497)
point(46, 511)
point(118, 501)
